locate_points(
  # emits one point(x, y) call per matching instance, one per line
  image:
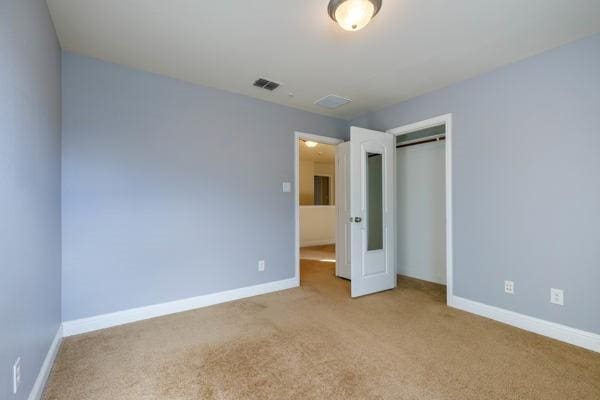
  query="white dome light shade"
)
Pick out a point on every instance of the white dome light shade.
point(353, 15)
point(310, 143)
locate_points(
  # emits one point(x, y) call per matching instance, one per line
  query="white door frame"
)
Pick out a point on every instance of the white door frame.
point(445, 119)
point(297, 137)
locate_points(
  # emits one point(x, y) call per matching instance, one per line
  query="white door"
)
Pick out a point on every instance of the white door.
point(372, 211)
point(342, 203)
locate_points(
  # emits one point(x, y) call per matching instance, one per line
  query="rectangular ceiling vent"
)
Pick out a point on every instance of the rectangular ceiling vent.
point(332, 101)
point(266, 84)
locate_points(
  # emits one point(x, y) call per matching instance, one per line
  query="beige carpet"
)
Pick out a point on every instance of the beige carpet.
point(316, 343)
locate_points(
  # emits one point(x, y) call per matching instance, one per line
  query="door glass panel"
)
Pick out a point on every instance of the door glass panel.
point(374, 201)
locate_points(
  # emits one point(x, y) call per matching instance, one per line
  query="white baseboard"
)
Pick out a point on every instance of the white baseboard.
point(317, 242)
point(78, 326)
point(40, 381)
point(577, 337)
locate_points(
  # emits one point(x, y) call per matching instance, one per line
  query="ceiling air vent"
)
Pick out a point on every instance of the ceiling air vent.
point(332, 101)
point(266, 84)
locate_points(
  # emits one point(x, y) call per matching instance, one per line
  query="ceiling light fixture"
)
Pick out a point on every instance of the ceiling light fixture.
point(310, 143)
point(353, 15)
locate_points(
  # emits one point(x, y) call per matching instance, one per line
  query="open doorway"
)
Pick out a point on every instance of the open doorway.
point(315, 202)
point(424, 203)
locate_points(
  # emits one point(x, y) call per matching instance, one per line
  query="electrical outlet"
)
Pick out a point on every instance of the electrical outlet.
point(16, 375)
point(557, 296)
point(509, 287)
point(261, 265)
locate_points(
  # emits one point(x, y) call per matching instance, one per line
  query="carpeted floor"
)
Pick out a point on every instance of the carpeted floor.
point(315, 342)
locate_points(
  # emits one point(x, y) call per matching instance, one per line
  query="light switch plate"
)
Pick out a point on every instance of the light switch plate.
point(287, 187)
point(557, 296)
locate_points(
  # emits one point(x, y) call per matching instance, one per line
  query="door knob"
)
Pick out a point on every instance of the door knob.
point(357, 219)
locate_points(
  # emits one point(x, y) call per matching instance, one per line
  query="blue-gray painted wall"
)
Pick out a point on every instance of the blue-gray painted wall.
point(526, 181)
point(29, 190)
point(171, 190)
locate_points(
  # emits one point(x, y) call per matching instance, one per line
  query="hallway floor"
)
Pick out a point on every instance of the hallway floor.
point(325, 253)
point(315, 342)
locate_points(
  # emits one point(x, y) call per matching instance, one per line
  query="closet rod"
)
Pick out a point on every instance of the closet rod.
point(436, 139)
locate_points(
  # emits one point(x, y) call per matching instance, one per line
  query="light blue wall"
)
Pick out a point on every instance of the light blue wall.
point(526, 177)
point(171, 190)
point(29, 190)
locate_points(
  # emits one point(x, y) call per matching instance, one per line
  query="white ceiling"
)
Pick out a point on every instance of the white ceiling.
point(322, 153)
point(410, 48)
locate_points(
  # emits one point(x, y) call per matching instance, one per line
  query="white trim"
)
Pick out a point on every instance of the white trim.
point(419, 126)
point(577, 337)
point(445, 119)
point(40, 381)
point(315, 138)
point(78, 326)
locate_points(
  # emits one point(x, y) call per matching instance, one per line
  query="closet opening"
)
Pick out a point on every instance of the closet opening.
point(423, 201)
